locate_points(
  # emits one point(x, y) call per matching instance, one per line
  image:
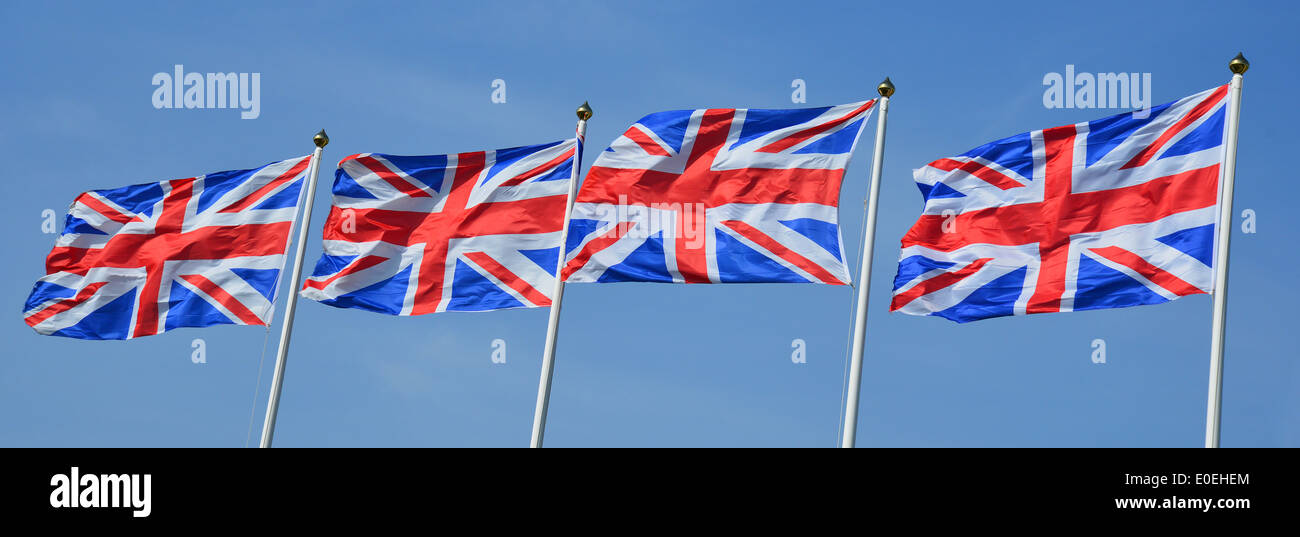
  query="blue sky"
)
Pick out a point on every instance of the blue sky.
point(638, 364)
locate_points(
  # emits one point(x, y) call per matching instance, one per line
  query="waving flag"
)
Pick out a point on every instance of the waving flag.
point(717, 196)
point(464, 232)
point(1110, 213)
point(139, 260)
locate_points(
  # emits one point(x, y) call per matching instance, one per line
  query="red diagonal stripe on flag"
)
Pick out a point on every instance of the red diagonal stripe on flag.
point(509, 278)
point(798, 137)
point(64, 305)
point(540, 169)
point(257, 195)
point(100, 207)
point(595, 245)
point(398, 182)
point(985, 173)
point(936, 283)
point(760, 238)
point(1201, 109)
point(357, 265)
point(224, 298)
point(1151, 272)
point(650, 146)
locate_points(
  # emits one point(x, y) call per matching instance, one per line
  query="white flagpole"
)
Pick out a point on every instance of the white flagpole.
point(1213, 410)
point(295, 281)
point(886, 89)
point(553, 322)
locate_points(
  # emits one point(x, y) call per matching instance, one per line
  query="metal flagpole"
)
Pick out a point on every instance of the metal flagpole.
point(553, 322)
point(886, 89)
point(1213, 410)
point(295, 281)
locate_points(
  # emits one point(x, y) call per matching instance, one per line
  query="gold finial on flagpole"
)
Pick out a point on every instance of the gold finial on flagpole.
point(321, 139)
point(584, 111)
point(886, 88)
point(1239, 65)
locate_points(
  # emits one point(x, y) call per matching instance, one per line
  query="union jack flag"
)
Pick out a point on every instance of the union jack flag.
point(143, 259)
point(717, 196)
point(410, 235)
point(1104, 214)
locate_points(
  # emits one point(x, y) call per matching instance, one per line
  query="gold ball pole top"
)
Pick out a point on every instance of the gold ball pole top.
point(321, 139)
point(1238, 65)
point(584, 111)
point(886, 88)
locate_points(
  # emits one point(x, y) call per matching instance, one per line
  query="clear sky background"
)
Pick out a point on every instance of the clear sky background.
point(638, 364)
